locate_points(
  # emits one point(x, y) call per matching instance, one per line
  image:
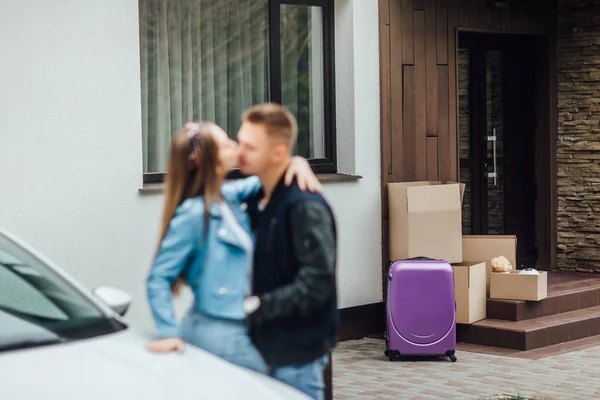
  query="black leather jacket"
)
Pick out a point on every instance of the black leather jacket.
point(294, 276)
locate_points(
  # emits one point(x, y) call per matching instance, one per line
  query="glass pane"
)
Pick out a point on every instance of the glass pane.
point(494, 117)
point(28, 287)
point(200, 60)
point(467, 214)
point(36, 304)
point(302, 75)
point(496, 204)
point(464, 110)
point(495, 111)
point(18, 295)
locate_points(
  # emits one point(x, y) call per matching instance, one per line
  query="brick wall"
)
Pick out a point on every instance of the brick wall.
point(579, 135)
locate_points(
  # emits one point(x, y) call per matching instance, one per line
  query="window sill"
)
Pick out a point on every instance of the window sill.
point(324, 178)
point(338, 177)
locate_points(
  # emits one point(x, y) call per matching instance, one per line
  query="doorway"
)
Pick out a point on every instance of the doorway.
point(501, 147)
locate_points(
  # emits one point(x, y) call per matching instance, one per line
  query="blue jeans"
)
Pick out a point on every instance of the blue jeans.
point(307, 377)
point(225, 338)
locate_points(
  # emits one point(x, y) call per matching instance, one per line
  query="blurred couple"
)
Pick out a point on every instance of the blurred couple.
point(258, 254)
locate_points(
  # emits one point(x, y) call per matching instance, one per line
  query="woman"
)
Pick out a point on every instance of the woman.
point(206, 243)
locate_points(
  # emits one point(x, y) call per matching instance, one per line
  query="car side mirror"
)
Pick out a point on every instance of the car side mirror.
point(118, 300)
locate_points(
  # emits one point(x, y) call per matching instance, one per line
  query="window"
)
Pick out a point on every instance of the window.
point(212, 59)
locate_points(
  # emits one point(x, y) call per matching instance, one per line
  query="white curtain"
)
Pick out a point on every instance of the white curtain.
point(200, 60)
point(302, 74)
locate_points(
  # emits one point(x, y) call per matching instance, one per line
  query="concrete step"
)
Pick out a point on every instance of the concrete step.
point(533, 333)
point(567, 297)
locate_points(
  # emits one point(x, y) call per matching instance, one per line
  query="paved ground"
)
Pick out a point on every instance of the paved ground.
point(360, 371)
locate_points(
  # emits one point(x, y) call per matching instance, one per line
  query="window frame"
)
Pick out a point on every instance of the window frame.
point(327, 165)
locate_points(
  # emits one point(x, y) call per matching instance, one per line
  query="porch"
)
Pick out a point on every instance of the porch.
point(569, 313)
point(504, 96)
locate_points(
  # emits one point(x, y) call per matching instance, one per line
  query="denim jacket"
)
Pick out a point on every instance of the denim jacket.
point(214, 263)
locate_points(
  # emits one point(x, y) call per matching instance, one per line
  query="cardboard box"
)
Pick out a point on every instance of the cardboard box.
point(486, 247)
point(425, 220)
point(470, 293)
point(514, 286)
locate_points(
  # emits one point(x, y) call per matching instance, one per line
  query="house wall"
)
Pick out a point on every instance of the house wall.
point(419, 131)
point(578, 50)
point(71, 146)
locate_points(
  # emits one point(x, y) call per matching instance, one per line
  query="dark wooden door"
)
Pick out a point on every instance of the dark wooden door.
point(497, 138)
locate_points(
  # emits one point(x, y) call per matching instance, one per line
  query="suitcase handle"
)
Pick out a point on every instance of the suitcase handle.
point(419, 258)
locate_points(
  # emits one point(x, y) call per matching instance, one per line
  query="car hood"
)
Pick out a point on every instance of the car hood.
point(117, 366)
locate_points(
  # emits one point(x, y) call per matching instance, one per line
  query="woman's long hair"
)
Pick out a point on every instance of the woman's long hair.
point(192, 171)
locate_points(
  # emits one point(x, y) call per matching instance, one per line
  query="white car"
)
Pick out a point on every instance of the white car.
point(58, 340)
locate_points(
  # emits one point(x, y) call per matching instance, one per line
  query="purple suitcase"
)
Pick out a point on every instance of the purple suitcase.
point(421, 310)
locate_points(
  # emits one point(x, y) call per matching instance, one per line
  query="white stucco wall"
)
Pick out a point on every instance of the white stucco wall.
point(71, 148)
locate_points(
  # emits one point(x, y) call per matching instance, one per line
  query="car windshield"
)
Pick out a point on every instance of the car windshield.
point(38, 307)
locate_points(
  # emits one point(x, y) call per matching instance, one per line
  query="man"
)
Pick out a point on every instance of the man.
point(293, 309)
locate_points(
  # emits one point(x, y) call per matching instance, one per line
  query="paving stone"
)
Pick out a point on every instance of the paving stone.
point(357, 376)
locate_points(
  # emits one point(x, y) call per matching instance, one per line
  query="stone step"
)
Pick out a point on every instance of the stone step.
point(533, 333)
point(564, 298)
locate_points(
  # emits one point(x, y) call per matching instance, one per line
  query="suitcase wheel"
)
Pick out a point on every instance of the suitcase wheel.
point(392, 355)
point(451, 356)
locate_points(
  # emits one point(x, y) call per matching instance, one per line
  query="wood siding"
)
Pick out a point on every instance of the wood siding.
point(419, 104)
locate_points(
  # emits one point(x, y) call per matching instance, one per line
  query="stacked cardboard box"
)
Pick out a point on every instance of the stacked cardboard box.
point(426, 221)
point(469, 290)
point(500, 285)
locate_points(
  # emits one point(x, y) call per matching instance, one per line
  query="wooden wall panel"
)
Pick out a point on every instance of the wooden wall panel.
point(423, 100)
point(474, 13)
point(486, 17)
point(432, 161)
point(443, 144)
point(387, 8)
point(453, 21)
point(407, 38)
point(431, 66)
point(385, 89)
point(506, 19)
point(409, 126)
point(464, 12)
point(420, 96)
point(515, 22)
point(397, 87)
point(442, 31)
point(496, 19)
